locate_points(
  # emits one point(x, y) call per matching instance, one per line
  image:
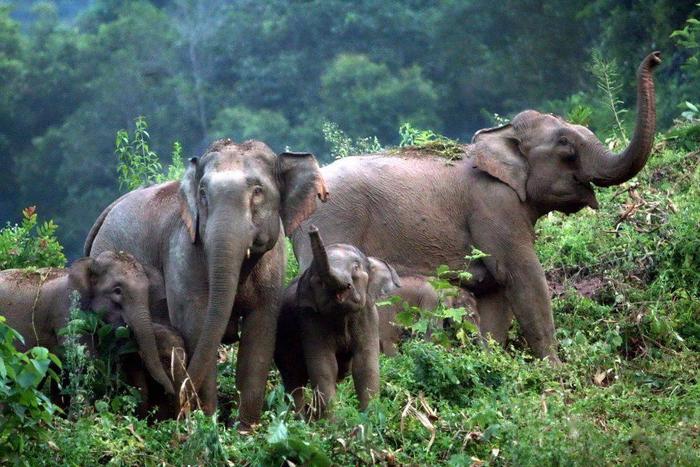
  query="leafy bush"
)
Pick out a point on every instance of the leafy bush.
point(30, 244)
point(342, 145)
point(25, 411)
point(92, 353)
point(428, 139)
point(138, 164)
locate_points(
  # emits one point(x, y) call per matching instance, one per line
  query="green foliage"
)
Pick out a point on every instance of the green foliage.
point(292, 268)
point(367, 98)
point(688, 37)
point(30, 244)
point(138, 165)
point(608, 81)
point(25, 411)
point(91, 355)
point(203, 445)
point(341, 145)
point(242, 124)
point(431, 141)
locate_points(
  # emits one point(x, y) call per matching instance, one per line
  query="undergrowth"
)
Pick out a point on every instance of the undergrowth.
point(626, 288)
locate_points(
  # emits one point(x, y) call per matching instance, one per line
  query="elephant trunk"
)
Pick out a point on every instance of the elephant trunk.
point(225, 247)
point(603, 167)
point(139, 319)
point(320, 261)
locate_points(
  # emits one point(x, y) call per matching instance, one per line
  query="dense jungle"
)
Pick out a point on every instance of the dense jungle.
point(154, 102)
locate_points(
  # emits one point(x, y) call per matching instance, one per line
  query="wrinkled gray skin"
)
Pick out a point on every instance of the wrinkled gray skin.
point(173, 359)
point(328, 324)
point(416, 291)
point(37, 304)
point(418, 212)
point(216, 236)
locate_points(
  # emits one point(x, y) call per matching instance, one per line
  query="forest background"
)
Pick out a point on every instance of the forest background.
point(74, 72)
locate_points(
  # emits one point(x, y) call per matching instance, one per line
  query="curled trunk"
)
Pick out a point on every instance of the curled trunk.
point(605, 168)
point(139, 319)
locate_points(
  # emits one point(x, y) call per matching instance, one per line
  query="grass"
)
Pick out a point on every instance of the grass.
point(626, 285)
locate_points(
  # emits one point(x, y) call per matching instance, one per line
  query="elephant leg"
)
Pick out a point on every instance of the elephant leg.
point(255, 353)
point(514, 264)
point(323, 374)
point(321, 364)
point(495, 316)
point(365, 372)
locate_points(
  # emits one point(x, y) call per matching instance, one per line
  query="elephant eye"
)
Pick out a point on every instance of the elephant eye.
point(203, 196)
point(564, 141)
point(117, 290)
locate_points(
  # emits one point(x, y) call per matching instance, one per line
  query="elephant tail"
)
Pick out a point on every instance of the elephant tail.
point(87, 247)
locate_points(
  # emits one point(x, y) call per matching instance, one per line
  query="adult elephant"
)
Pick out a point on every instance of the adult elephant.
point(217, 236)
point(417, 212)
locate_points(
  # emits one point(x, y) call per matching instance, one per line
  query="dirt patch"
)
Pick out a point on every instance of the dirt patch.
point(587, 286)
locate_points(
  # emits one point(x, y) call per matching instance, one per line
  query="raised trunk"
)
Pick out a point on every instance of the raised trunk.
point(605, 168)
point(139, 319)
point(318, 249)
point(225, 253)
point(320, 261)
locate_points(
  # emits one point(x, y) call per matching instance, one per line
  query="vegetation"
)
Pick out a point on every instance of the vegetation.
point(30, 244)
point(626, 287)
point(76, 71)
point(25, 410)
point(625, 280)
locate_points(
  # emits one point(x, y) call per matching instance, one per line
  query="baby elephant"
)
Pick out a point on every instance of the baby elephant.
point(417, 292)
point(37, 303)
point(328, 324)
point(171, 352)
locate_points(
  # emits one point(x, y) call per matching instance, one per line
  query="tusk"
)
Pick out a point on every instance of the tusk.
point(247, 253)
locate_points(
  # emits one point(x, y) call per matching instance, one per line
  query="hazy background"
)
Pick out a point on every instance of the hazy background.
point(75, 72)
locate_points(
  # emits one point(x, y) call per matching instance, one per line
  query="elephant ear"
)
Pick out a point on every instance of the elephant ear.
point(81, 277)
point(300, 182)
point(497, 152)
point(382, 278)
point(189, 210)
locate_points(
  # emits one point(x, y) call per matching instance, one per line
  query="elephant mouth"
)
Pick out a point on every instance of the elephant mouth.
point(348, 298)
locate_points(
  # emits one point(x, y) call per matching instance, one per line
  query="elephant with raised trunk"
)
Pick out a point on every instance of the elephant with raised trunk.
point(329, 324)
point(417, 212)
point(217, 237)
point(37, 303)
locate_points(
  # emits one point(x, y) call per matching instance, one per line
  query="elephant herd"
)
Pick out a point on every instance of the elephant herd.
point(192, 264)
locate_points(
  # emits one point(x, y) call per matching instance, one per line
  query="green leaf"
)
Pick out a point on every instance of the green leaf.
point(277, 433)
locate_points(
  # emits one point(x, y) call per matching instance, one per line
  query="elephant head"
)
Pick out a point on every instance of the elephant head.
point(551, 163)
point(122, 287)
point(342, 279)
point(234, 201)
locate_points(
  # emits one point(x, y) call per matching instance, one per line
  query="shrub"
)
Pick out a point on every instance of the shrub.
point(92, 352)
point(30, 244)
point(138, 164)
point(25, 411)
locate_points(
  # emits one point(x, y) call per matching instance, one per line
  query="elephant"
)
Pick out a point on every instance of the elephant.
point(328, 324)
point(172, 357)
point(417, 210)
point(416, 291)
point(37, 302)
point(217, 235)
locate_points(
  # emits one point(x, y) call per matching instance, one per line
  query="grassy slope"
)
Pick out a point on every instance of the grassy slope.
point(629, 392)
